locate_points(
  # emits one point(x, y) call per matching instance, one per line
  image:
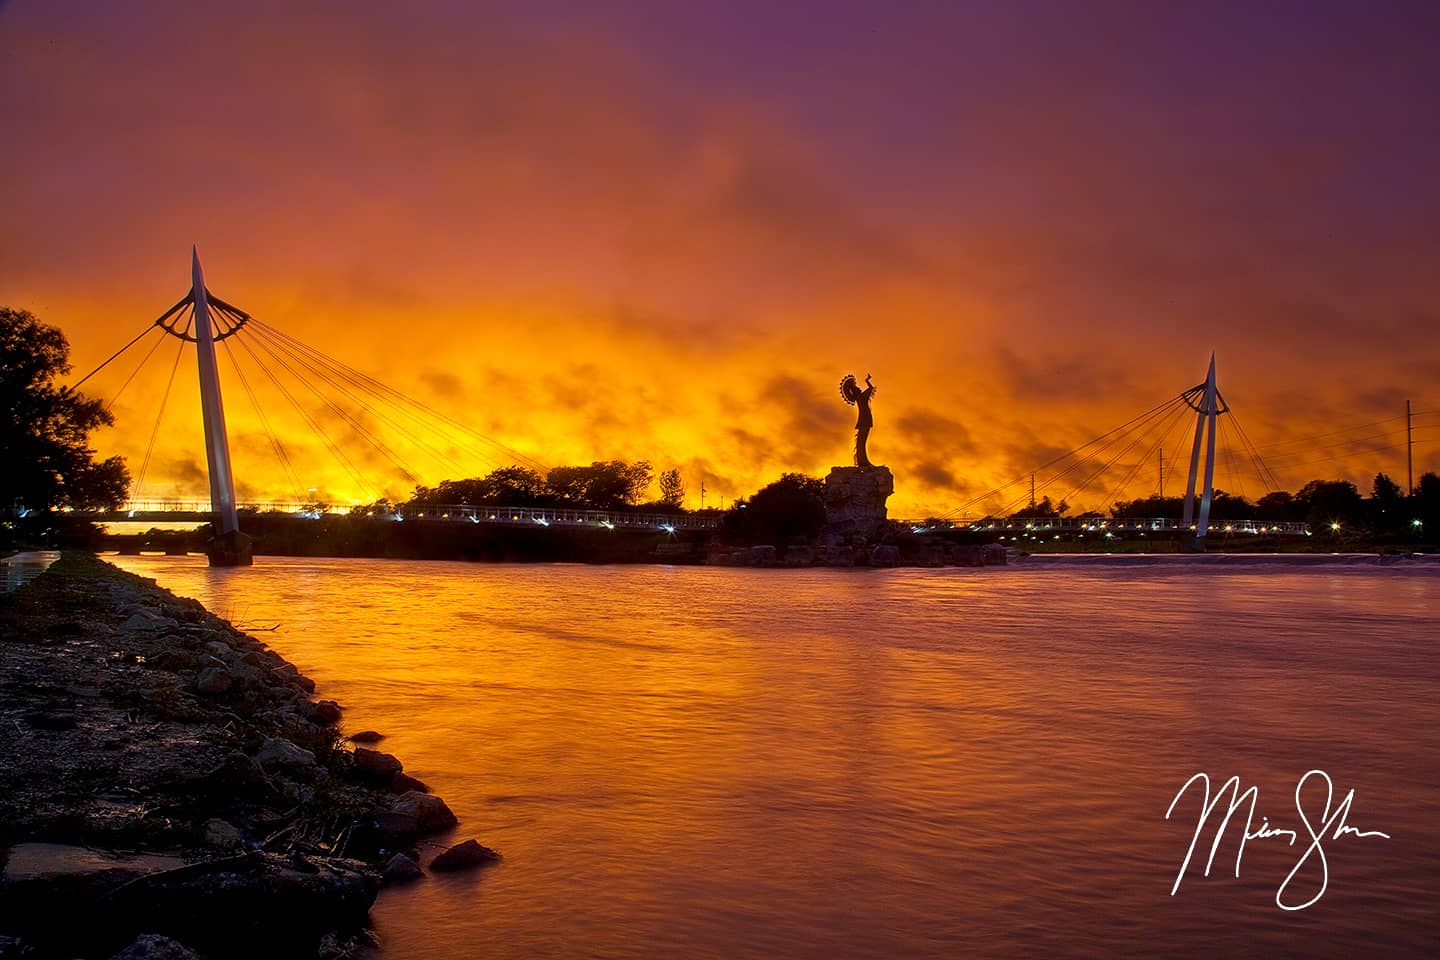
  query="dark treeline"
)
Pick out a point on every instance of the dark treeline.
point(602, 485)
point(1324, 504)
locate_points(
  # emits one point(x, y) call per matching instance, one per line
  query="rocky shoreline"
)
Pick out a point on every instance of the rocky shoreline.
point(170, 788)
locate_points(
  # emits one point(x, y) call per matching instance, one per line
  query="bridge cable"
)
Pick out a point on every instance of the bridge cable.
point(144, 360)
point(1267, 476)
point(335, 451)
point(515, 455)
point(985, 496)
point(339, 382)
point(275, 444)
point(114, 356)
point(155, 431)
point(1084, 484)
point(338, 377)
point(403, 402)
point(1095, 455)
point(1173, 421)
point(344, 414)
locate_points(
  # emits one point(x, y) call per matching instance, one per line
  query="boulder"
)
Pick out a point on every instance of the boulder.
point(464, 856)
point(152, 946)
point(762, 555)
point(213, 680)
point(799, 556)
point(403, 782)
point(366, 736)
point(375, 766)
point(143, 620)
point(326, 713)
point(221, 834)
point(279, 752)
point(884, 555)
point(429, 812)
point(400, 868)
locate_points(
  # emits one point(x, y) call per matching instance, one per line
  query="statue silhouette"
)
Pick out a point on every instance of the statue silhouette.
point(854, 396)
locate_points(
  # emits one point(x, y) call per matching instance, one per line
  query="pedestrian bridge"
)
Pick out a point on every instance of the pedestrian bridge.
point(181, 511)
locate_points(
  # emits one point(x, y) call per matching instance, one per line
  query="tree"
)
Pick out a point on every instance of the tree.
point(793, 506)
point(1387, 505)
point(1331, 502)
point(603, 485)
point(672, 489)
point(45, 428)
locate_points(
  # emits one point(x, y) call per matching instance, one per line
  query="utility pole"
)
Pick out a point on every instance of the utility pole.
point(1032, 491)
point(702, 494)
point(1161, 454)
point(1410, 447)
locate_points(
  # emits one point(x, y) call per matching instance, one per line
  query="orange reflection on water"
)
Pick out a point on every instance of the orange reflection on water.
point(723, 762)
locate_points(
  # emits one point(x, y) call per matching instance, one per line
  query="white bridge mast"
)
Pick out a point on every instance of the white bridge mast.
point(217, 443)
point(1206, 413)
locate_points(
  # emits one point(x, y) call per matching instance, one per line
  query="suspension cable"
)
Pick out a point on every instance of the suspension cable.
point(155, 431)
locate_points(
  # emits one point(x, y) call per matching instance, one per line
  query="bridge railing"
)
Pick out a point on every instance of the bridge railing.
point(1120, 525)
point(539, 516)
point(560, 516)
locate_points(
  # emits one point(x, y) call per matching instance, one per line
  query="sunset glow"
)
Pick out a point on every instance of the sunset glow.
point(667, 233)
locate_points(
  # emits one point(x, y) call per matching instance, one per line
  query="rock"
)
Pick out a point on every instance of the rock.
point(884, 555)
point(762, 555)
point(172, 660)
point(996, 555)
point(152, 946)
point(50, 720)
point(401, 867)
point(217, 648)
point(252, 905)
point(403, 782)
point(326, 713)
point(279, 752)
point(799, 556)
point(213, 680)
point(144, 620)
point(429, 812)
point(463, 856)
point(222, 835)
point(366, 736)
point(13, 948)
point(855, 499)
point(376, 766)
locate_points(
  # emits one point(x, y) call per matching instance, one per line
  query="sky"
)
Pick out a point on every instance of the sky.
point(649, 230)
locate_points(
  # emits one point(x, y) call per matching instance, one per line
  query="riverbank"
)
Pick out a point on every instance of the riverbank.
point(164, 773)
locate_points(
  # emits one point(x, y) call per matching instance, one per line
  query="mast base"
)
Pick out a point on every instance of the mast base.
point(233, 549)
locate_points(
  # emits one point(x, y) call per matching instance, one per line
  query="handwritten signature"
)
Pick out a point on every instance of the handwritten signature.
point(1331, 826)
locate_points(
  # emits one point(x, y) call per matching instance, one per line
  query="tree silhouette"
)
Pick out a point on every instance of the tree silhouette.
point(45, 428)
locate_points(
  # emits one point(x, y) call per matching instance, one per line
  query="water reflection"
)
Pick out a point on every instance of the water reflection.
point(20, 568)
point(724, 762)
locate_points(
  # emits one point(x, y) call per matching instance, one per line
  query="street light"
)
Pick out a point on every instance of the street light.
point(1335, 526)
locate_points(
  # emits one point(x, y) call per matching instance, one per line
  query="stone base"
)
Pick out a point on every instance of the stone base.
point(231, 550)
point(855, 500)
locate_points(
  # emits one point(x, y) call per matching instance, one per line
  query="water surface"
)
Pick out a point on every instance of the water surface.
point(714, 762)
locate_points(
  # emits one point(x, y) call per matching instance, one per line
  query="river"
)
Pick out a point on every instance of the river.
point(717, 762)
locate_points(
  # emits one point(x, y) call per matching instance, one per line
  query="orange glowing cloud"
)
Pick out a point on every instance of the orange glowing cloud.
point(578, 249)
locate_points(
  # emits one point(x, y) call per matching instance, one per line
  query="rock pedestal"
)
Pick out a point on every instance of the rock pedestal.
point(855, 500)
